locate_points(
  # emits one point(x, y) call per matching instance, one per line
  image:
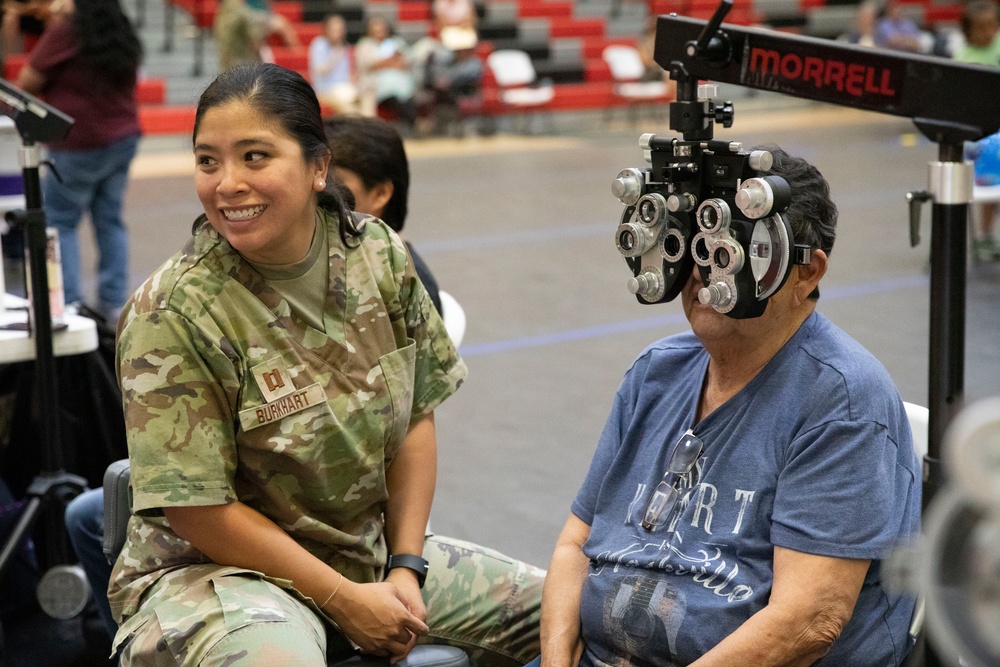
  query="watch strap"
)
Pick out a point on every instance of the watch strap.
point(410, 562)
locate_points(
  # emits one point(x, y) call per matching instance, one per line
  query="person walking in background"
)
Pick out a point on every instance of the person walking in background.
point(384, 70)
point(981, 29)
point(86, 64)
point(331, 71)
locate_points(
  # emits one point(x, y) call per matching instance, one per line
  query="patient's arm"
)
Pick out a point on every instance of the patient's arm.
point(812, 599)
point(562, 645)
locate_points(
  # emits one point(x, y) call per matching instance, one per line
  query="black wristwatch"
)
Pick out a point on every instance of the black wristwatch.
point(410, 562)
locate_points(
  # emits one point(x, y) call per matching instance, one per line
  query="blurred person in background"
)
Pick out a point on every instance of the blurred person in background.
point(896, 31)
point(386, 81)
point(22, 24)
point(981, 30)
point(86, 64)
point(862, 31)
point(242, 28)
point(452, 72)
point(331, 70)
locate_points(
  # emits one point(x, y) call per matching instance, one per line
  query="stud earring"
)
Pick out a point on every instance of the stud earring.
point(321, 184)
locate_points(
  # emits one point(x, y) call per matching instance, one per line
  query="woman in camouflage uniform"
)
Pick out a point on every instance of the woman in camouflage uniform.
point(279, 376)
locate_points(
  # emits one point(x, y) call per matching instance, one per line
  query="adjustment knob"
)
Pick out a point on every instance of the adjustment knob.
point(754, 198)
point(644, 284)
point(627, 186)
point(717, 294)
point(761, 160)
point(681, 203)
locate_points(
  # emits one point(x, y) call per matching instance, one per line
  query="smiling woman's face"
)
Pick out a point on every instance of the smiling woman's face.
point(257, 188)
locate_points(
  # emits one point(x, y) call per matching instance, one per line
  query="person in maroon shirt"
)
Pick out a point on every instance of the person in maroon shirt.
point(85, 64)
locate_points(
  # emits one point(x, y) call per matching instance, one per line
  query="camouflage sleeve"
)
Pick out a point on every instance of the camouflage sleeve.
point(178, 389)
point(439, 371)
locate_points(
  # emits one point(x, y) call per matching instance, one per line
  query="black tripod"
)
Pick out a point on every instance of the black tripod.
point(52, 488)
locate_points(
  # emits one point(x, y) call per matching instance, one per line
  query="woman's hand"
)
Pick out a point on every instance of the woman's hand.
point(409, 591)
point(376, 617)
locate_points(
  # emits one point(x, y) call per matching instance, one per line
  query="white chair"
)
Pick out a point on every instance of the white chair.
point(454, 317)
point(520, 88)
point(919, 418)
point(627, 69)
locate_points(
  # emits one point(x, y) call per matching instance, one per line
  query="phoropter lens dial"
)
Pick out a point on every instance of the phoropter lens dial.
point(651, 209)
point(713, 215)
point(633, 239)
point(726, 256)
point(672, 245)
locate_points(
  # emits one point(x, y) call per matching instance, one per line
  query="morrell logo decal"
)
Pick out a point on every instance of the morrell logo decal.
point(831, 75)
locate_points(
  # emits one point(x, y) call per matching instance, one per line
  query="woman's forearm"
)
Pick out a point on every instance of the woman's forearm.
point(238, 535)
point(410, 479)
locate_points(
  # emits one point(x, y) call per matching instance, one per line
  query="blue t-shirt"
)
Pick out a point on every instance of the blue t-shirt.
point(814, 455)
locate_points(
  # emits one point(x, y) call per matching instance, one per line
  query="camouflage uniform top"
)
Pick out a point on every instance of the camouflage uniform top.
point(229, 395)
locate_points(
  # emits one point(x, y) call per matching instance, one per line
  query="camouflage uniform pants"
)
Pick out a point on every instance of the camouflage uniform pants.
point(477, 599)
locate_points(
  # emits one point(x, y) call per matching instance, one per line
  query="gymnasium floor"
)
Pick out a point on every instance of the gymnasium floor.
point(520, 231)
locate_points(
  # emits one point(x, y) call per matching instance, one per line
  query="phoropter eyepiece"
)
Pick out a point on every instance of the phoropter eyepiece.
point(705, 205)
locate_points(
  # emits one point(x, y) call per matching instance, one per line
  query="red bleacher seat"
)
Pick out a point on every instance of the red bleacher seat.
point(202, 12)
point(937, 13)
point(595, 70)
point(13, 64)
point(593, 47)
point(543, 8)
point(560, 26)
point(289, 9)
point(483, 49)
point(292, 58)
point(413, 11)
point(306, 32)
point(151, 91)
point(166, 119)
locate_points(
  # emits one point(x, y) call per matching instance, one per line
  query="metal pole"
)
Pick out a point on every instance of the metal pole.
point(951, 186)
